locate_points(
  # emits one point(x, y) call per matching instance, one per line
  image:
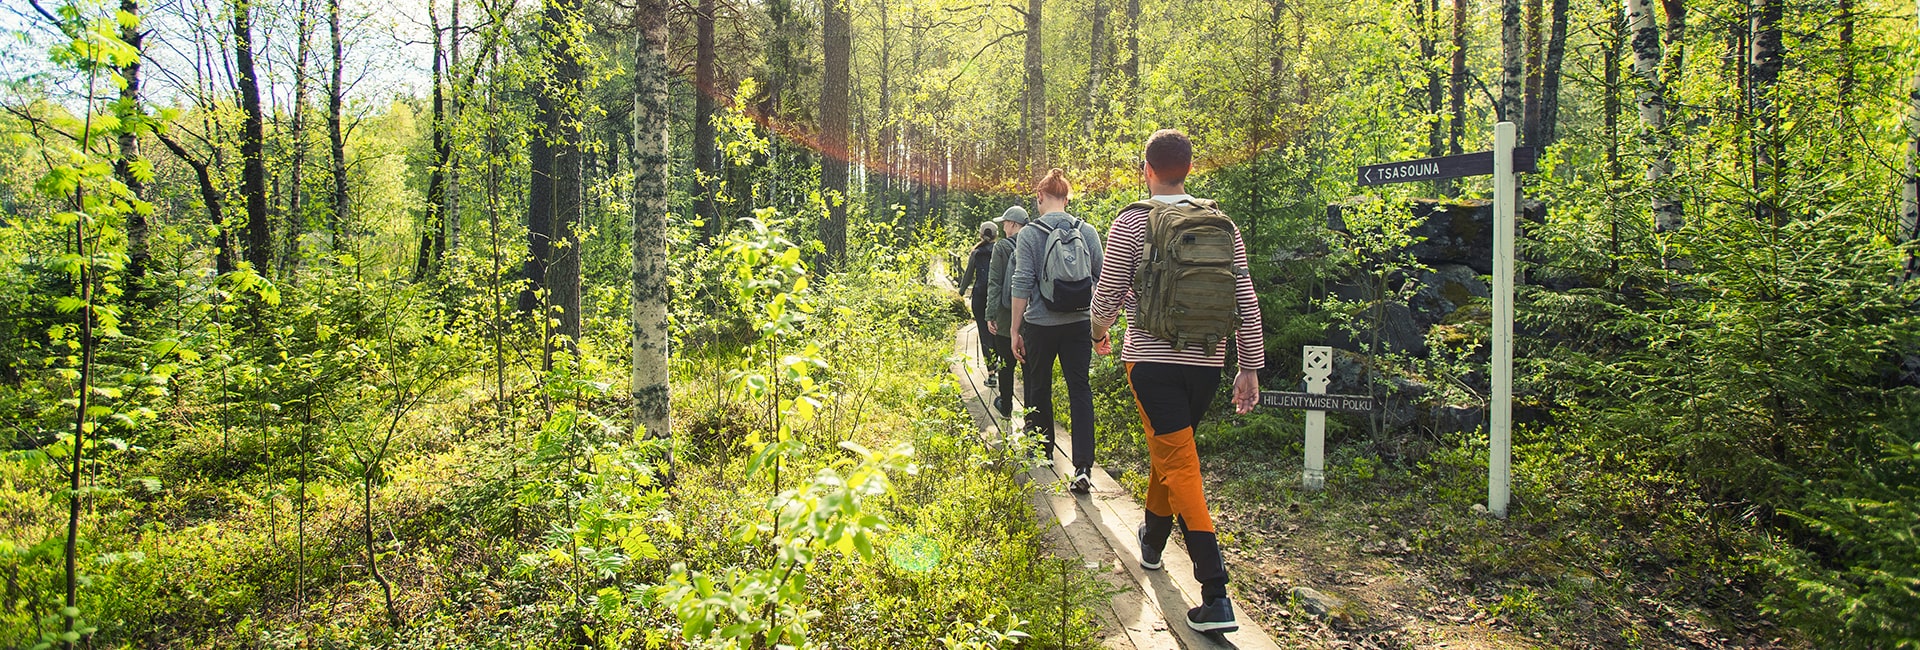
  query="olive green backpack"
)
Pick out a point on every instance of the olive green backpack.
point(1184, 288)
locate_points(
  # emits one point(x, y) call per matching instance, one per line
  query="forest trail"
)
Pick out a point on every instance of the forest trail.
point(1147, 608)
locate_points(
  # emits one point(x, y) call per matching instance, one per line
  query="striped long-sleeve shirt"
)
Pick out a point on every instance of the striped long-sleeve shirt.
point(1114, 291)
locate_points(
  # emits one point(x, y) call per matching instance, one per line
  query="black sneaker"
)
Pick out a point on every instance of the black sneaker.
point(1082, 481)
point(993, 382)
point(1149, 556)
point(1002, 405)
point(1215, 617)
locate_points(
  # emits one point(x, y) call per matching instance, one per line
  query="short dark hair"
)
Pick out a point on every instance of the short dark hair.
point(1170, 154)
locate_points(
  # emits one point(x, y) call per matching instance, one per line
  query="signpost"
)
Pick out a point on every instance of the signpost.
point(1316, 362)
point(1480, 163)
point(1504, 162)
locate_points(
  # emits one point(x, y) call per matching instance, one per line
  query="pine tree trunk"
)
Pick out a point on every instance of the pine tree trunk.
point(1425, 14)
point(705, 155)
point(651, 398)
point(433, 241)
point(253, 177)
point(340, 222)
point(837, 50)
point(297, 163)
point(1549, 129)
point(1616, 43)
point(1645, 39)
point(1036, 101)
point(563, 271)
point(779, 59)
point(1096, 70)
point(1457, 80)
point(137, 254)
point(1133, 46)
point(1535, 68)
point(539, 198)
point(1512, 57)
point(1768, 55)
point(881, 199)
point(1673, 64)
point(456, 96)
point(1909, 227)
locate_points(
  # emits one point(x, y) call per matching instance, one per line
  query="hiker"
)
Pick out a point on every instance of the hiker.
point(1179, 266)
point(1000, 304)
point(974, 282)
point(1056, 259)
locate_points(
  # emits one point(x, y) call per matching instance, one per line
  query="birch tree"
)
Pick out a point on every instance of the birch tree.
point(1644, 36)
point(650, 167)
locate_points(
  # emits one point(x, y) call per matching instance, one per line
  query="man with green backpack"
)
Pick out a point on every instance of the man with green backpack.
point(1179, 268)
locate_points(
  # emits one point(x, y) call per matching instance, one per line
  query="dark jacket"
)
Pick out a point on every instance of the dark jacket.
point(999, 280)
point(974, 279)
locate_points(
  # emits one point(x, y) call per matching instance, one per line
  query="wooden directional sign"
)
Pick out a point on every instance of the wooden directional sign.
point(1525, 159)
point(1317, 401)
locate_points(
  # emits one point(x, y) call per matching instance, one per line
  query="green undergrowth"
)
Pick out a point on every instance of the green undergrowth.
point(878, 521)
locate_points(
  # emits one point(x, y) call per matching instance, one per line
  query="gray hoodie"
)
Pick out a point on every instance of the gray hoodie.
point(1030, 251)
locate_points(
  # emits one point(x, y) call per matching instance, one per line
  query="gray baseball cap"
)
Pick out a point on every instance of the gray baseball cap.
point(1014, 214)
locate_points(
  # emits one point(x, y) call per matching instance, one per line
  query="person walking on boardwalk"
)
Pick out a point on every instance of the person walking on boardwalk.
point(974, 281)
point(1179, 268)
point(1000, 304)
point(1056, 259)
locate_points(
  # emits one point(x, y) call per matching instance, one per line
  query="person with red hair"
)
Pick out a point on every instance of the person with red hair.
point(1057, 257)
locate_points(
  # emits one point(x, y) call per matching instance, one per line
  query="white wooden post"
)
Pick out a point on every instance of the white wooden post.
point(1499, 453)
point(1316, 362)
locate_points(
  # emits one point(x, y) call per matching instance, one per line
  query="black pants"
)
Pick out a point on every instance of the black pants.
point(1173, 398)
point(1072, 345)
point(1003, 348)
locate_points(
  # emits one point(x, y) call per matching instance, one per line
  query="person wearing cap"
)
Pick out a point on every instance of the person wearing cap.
point(974, 281)
point(1000, 305)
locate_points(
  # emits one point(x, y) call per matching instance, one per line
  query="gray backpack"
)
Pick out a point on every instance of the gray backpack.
point(1066, 269)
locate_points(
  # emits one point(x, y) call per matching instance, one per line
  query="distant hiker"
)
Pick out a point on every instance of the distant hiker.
point(974, 281)
point(1055, 262)
point(1000, 304)
point(1180, 268)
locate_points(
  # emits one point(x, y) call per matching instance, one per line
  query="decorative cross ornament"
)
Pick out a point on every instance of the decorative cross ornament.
point(1316, 363)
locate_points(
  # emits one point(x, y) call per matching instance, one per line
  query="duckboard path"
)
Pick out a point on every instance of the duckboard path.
point(1148, 609)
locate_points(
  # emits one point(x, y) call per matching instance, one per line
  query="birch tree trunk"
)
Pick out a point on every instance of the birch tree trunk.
point(651, 399)
point(837, 50)
point(1651, 98)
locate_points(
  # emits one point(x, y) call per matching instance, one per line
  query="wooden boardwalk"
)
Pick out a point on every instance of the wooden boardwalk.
point(1148, 609)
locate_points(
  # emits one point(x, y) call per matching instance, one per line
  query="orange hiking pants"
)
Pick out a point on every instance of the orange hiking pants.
point(1171, 399)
